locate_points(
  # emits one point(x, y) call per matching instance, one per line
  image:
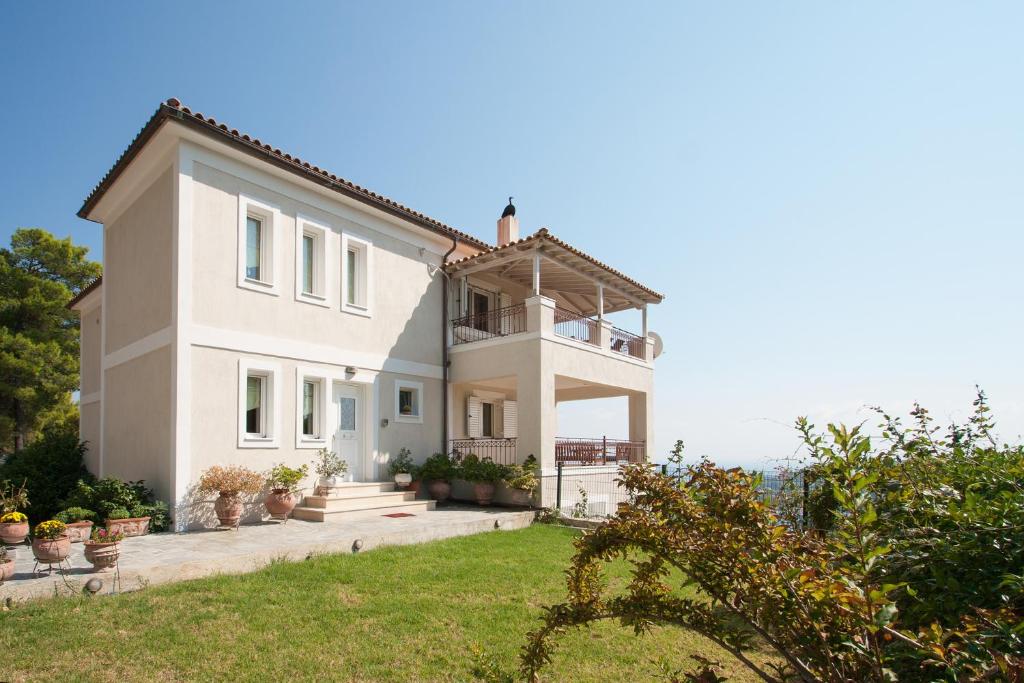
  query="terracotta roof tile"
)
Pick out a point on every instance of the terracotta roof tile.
point(173, 109)
point(86, 291)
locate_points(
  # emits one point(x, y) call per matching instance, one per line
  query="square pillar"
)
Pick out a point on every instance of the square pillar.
point(540, 315)
point(641, 420)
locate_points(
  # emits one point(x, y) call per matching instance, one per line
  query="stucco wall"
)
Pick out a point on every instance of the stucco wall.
point(89, 432)
point(137, 266)
point(137, 433)
point(422, 439)
point(406, 303)
point(90, 335)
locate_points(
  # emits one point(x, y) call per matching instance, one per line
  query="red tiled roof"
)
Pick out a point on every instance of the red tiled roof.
point(86, 291)
point(544, 235)
point(172, 109)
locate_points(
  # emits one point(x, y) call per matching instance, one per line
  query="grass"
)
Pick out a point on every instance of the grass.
point(409, 613)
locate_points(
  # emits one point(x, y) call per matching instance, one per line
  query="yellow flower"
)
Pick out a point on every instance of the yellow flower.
point(50, 529)
point(13, 517)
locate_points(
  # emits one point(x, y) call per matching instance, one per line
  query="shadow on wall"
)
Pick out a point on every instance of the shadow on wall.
point(196, 511)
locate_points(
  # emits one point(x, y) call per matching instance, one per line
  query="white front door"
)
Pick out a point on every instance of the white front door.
point(347, 439)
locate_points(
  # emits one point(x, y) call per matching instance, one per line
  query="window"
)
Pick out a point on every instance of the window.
point(356, 275)
point(311, 261)
point(487, 425)
point(408, 401)
point(258, 397)
point(257, 226)
point(311, 409)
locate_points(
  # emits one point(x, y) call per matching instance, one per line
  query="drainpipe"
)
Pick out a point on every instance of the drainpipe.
point(444, 346)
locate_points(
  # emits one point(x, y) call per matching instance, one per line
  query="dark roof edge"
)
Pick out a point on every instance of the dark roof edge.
point(173, 110)
point(86, 291)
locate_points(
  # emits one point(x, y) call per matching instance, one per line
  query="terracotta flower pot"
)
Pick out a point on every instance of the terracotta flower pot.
point(483, 491)
point(6, 570)
point(439, 490)
point(13, 533)
point(133, 526)
point(102, 556)
point(228, 508)
point(49, 551)
point(79, 531)
point(280, 502)
point(415, 487)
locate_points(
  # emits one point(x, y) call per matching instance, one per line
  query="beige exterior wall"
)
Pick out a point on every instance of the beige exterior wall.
point(137, 429)
point(89, 432)
point(405, 321)
point(91, 333)
point(137, 266)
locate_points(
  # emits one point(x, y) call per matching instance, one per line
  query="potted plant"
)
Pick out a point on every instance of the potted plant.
point(142, 512)
point(102, 549)
point(50, 542)
point(120, 521)
point(403, 469)
point(522, 481)
point(6, 565)
point(483, 474)
point(283, 482)
point(230, 482)
point(13, 524)
point(329, 467)
point(437, 472)
point(78, 521)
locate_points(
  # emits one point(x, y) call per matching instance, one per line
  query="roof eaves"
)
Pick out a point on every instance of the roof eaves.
point(86, 291)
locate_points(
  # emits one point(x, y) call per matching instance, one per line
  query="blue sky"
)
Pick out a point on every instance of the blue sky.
point(830, 195)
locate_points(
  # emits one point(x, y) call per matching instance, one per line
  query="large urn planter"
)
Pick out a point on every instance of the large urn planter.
point(12, 533)
point(228, 509)
point(280, 502)
point(483, 491)
point(519, 497)
point(51, 551)
point(132, 526)
point(439, 490)
point(102, 556)
point(80, 531)
point(415, 487)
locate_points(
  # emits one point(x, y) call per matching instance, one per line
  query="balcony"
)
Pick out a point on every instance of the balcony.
point(570, 451)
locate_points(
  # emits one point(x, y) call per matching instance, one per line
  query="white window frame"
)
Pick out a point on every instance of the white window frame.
point(270, 217)
point(303, 375)
point(321, 261)
point(364, 275)
point(417, 387)
point(271, 372)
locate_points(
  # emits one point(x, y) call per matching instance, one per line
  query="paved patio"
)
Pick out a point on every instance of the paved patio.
point(163, 558)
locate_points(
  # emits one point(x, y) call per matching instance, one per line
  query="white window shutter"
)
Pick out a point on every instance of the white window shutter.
point(510, 415)
point(474, 417)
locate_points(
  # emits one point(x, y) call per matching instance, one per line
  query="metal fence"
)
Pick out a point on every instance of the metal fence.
point(498, 323)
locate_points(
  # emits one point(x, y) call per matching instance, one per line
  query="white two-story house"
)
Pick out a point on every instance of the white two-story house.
point(255, 308)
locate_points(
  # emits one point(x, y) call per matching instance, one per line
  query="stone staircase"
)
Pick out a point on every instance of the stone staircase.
point(359, 499)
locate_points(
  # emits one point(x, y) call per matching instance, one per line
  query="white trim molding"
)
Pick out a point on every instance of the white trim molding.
point(139, 347)
point(270, 245)
point(323, 239)
point(363, 279)
point(271, 372)
point(322, 398)
point(84, 399)
point(417, 389)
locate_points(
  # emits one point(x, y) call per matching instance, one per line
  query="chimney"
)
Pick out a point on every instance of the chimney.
point(508, 225)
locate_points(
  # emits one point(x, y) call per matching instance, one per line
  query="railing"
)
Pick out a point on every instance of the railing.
point(627, 343)
point(604, 451)
point(501, 451)
point(498, 323)
point(575, 326)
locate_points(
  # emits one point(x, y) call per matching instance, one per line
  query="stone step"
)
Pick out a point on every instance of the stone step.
point(360, 487)
point(311, 514)
point(356, 501)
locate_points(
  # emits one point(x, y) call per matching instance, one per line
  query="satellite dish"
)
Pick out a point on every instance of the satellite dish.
point(659, 345)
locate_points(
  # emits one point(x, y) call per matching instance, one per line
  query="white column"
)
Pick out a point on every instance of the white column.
point(600, 301)
point(536, 273)
point(643, 315)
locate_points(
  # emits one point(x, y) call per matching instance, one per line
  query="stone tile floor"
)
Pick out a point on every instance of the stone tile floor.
point(167, 557)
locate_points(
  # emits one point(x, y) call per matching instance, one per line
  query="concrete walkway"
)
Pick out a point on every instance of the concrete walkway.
point(162, 558)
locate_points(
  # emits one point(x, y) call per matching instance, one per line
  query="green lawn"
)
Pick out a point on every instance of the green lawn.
point(395, 614)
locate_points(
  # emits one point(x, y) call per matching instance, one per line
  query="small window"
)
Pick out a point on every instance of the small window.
point(408, 401)
point(309, 411)
point(257, 223)
point(255, 400)
point(254, 248)
point(258, 396)
point(311, 261)
point(356, 275)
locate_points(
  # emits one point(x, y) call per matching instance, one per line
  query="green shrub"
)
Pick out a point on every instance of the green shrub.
point(118, 513)
point(109, 495)
point(74, 514)
point(284, 477)
point(479, 471)
point(437, 467)
point(50, 466)
point(403, 464)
